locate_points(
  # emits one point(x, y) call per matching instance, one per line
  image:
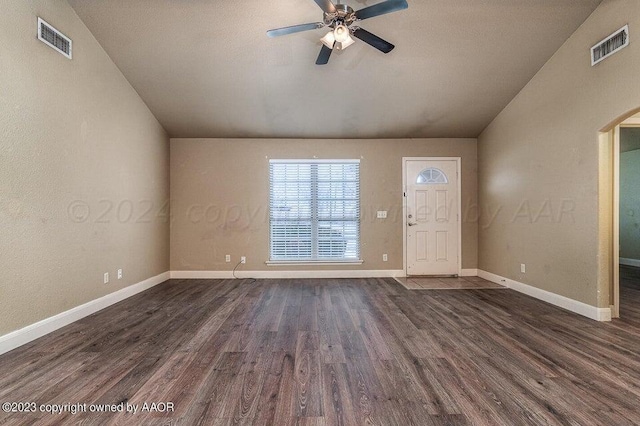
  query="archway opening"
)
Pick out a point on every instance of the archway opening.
point(619, 189)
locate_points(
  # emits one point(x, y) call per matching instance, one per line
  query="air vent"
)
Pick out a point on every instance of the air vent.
point(610, 45)
point(54, 38)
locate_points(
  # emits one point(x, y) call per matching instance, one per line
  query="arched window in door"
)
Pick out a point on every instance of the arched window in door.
point(432, 176)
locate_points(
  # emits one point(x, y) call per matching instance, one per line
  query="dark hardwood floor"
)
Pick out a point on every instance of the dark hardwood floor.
point(630, 294)
point(325, 352)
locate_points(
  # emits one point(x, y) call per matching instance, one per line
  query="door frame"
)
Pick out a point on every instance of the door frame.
point(458, 161)
point(609, 208)
point(615, 310)
point(614, 135)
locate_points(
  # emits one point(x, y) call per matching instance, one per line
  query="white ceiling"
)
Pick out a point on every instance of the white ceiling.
point(206, 68)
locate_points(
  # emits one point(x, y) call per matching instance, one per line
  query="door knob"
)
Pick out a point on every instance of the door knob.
point(411, 224)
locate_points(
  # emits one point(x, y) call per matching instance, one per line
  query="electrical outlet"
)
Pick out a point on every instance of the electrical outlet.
point(106, 278)
point(385, 257)
point(523, 268)
point(227, 258)
point(243, 259)
point(382, 215)
point(119, 274)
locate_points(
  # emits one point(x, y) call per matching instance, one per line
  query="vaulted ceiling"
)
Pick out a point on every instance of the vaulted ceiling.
point(206, 68)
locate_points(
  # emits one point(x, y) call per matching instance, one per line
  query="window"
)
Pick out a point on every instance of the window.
point(314, 210)
point(432, 176)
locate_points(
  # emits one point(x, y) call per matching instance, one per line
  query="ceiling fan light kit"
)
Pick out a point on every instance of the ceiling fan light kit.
point(329, 40)
point(342, 20)
point(341, 33)
point(341, 45)
point(340, 38)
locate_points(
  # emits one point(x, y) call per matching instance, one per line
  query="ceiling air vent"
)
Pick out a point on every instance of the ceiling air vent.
point(54, 38)
point(610, 45)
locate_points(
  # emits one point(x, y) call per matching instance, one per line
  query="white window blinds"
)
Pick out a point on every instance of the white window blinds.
point(314, 210)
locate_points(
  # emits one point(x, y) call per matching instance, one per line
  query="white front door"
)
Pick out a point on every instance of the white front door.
point(431, 222)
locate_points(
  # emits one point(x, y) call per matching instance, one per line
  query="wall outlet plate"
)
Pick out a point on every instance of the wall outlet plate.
point(385, 257)
point(523, 268)
point(106, 278)
point(227, 258)
point(382, 214)
point(243, 259)
point(119, 274)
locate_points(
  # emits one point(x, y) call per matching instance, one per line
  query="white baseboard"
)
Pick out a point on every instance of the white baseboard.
point(598, 314)
point(630, 262)
point(31, 332)
point(468, 272)
point(352, 273)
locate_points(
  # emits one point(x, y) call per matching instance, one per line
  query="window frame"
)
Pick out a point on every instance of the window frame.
point(314, 217)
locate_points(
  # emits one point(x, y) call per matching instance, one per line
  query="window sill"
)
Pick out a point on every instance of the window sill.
point(313, 263)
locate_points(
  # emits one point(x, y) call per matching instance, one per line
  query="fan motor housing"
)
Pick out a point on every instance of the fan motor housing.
point(344, 14)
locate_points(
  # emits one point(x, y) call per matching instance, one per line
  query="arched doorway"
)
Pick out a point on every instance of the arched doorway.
point(617, 150)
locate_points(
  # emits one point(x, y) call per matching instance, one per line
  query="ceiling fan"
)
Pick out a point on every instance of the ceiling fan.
point(343, 21)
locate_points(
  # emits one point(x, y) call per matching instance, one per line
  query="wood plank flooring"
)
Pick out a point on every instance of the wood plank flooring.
point(446, 283)
point(334, 352)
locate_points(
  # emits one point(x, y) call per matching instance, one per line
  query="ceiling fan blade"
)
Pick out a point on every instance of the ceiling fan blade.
point(372, 39)
point(381, 9)
point(323, 57)
point(294, 29)
point(326, 6)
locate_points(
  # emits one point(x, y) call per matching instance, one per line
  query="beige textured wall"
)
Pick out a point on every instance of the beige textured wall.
point(630, 205)
point(220, 195)
point(73, 134)
point(539, 158)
